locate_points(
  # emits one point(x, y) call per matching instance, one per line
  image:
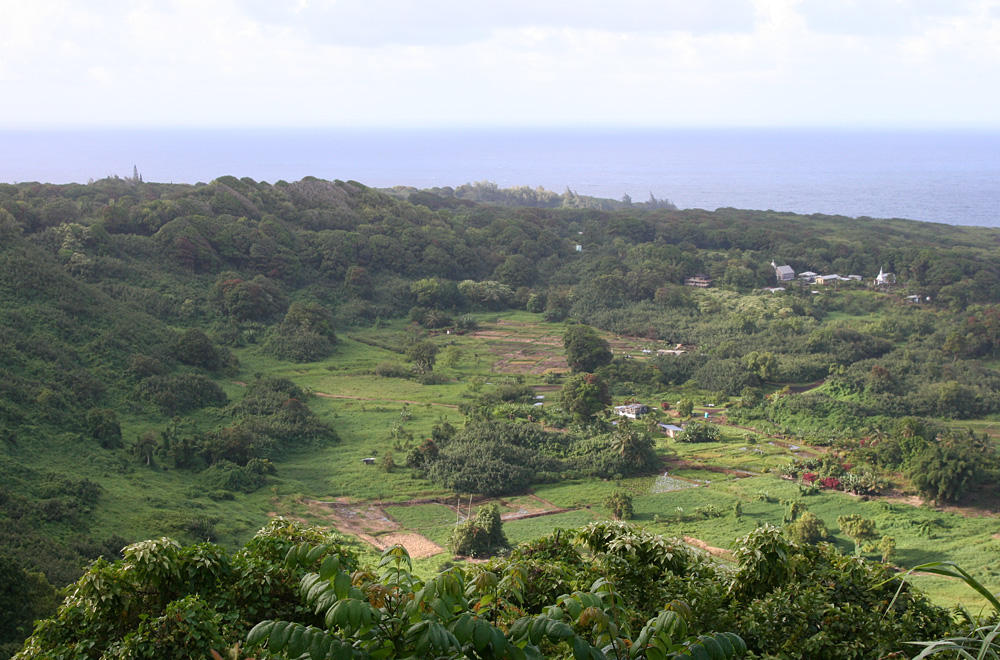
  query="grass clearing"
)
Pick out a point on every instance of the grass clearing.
point(518, 531)
point(435, 521)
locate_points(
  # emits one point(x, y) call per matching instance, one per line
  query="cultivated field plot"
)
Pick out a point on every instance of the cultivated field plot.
point(524, 347)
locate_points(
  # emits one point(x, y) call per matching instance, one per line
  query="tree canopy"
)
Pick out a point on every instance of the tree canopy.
point(585, 349)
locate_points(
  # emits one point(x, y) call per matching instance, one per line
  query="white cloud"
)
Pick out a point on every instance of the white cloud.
point(376, 23)
point(446, 62)
point(882, 17)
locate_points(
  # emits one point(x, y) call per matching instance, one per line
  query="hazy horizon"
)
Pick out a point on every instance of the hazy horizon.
point(932, 175)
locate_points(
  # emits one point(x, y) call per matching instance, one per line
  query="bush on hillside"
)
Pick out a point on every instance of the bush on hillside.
point(180, 393)
point(481, 536)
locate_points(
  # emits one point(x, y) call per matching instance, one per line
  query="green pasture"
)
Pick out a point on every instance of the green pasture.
point(580, 493)
point(435, 521)
point(921, 534)
point(372, 417)
point(705, 512)
point(518, 531)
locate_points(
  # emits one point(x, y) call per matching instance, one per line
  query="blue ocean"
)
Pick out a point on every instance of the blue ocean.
point(940, 176)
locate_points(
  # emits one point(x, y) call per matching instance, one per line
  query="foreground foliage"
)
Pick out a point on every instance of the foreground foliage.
point(609, 590)
point(982, 636)
point(164, 600)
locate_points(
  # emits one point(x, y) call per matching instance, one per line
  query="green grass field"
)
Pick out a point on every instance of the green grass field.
point(375, 416)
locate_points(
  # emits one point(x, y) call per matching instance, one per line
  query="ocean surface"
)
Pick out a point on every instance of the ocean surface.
point(940, 176)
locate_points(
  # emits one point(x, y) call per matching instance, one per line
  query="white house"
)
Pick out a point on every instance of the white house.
point(632, 410)
point(884, 279)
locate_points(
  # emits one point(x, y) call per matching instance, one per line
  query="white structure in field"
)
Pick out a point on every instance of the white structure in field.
point(632, 410)
point(884, 279)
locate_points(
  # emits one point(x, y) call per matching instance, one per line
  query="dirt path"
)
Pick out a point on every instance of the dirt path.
point(799, 389)
point(712, 550)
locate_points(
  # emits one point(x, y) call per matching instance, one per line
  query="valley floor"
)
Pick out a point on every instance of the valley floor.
point(694, 497)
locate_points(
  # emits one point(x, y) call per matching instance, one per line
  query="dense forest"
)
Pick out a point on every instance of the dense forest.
point(135, 317)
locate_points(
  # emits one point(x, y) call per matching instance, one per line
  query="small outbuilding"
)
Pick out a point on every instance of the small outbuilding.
point(670, 430)
point(783, 273)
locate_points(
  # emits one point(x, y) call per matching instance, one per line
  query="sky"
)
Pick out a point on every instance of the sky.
point(467, 63)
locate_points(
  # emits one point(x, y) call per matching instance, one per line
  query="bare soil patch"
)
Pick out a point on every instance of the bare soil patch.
point(418, 546)
point(911, 500)
point(712, 550)
point(370, 523)
point(354, 519)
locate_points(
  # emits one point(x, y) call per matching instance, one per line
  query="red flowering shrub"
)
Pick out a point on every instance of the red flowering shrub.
point(832, 483)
